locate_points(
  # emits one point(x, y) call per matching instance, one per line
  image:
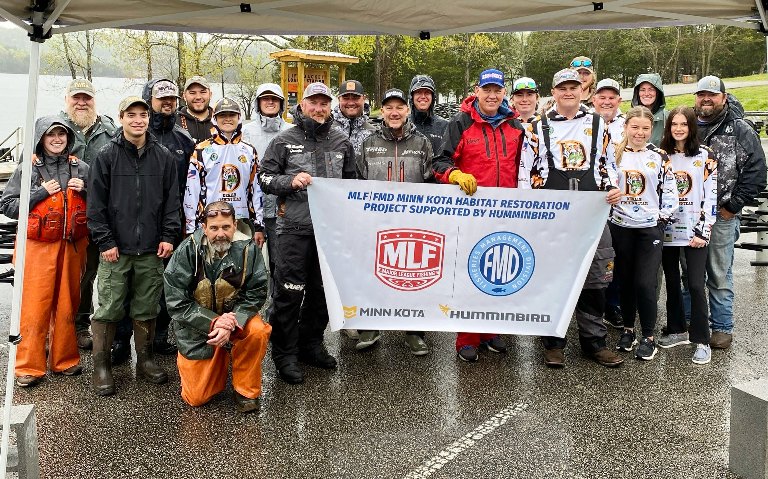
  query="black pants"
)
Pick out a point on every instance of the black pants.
point(696, 263)
point(589, 317)
point(84, 311)
point(300, 313)
point(638, 257)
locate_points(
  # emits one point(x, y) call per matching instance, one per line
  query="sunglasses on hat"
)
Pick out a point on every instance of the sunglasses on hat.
point(581, 63)
point(215, 213)
point(525, 85)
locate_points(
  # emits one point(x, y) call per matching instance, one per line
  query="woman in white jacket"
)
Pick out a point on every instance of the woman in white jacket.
point(637, 224)
point(695, 170)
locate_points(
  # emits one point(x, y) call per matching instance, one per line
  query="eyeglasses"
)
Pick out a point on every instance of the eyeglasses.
point(525, 85)
point(581, 63)
point(215, 213)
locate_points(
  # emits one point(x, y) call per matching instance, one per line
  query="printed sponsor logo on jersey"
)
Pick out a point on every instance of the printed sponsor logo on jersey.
point(573, 155)
point(409, 259)
point(375, 149)
point(651, 165)
point(697, 163)
point(295, 148)
point(634, 183)
point(413, 152)
point(230, 178)
point(242, 159)
point(684, 182)
point(501, 263)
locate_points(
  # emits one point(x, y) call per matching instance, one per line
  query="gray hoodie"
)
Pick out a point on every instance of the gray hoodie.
point(658, 108)
point(259, 133)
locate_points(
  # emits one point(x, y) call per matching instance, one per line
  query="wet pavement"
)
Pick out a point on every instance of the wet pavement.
point(387, 414)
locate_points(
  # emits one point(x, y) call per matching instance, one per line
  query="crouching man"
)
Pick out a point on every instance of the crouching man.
point(215, 286)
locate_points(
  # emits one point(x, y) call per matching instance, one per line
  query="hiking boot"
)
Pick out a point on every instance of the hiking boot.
point(367, 339)
point(291, 373)
point(613, 317)
point(606, 357)
point(416, 344)
point(103, 384)
point(244, 404)
point(143, 336)
point(84, 340)
point(75, 370)
point(554, 358)
point(646, 350)
point(318, 357)
point(351, 333)
point(467, 354)
point(627, 341)
point(28, 381)
point(672, 340)
point(702, 354)
point(720, 340)
point(495, 345)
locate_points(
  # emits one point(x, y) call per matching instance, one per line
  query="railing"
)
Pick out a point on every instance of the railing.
point(10, 148)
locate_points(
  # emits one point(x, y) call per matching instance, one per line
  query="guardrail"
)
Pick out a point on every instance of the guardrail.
point(10, 148)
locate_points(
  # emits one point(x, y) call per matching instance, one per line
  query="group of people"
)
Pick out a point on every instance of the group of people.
point(170, 211)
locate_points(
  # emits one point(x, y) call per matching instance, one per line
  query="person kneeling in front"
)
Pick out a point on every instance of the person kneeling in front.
point(215, 286)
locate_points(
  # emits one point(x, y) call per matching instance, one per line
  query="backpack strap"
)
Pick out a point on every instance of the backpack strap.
point(547, 142)
point(595, 128)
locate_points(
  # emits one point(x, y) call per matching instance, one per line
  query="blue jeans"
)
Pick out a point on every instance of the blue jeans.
point(720, 273)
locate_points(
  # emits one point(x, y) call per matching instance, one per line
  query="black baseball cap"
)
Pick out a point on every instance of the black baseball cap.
point(351, 86)
point(393, 93)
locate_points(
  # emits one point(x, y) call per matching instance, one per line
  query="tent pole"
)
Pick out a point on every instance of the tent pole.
point(21, 244)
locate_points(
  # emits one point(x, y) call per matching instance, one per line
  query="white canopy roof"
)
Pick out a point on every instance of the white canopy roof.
point(405, 17)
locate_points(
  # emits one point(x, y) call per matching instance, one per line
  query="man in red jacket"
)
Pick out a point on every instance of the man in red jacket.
point(481, 146)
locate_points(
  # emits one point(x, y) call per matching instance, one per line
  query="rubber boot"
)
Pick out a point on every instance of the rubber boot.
point(143, 335)
point(103, 335)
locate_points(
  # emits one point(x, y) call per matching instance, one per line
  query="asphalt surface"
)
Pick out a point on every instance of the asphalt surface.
point(387, 414)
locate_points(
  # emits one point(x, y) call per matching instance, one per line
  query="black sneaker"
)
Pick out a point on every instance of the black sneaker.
point(627, 341)
point(613, 317)
point(468, 354)
point(646, 350)
point(495, 345)
point(318, 357)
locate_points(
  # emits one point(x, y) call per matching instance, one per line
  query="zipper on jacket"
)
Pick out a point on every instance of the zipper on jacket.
point(138, 200)
point(498, 162)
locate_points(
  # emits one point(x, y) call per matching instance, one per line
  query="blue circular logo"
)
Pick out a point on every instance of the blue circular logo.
point(501, 263)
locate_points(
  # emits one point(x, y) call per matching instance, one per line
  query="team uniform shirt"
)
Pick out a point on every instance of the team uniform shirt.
point(524, 170)
point(696, 180)
point(616, 128)
point(223, 170)
point(648, 186)
point(571, 144)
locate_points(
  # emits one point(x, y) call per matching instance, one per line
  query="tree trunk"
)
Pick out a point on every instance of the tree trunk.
point(88, 55)
point(377, 70)
point(148, 54)
point(467, 39)
point(68, 56)
point(181, 58)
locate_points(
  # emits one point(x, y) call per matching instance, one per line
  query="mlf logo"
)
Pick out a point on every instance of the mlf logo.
point(409, 259)
point(501, 263)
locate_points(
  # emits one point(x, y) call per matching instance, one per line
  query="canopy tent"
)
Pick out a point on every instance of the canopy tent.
point(422, 18)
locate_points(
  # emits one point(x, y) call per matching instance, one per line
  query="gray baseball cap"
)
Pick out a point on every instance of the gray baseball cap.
point(711, 84)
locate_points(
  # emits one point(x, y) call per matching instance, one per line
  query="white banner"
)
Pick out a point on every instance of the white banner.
point(426, 257)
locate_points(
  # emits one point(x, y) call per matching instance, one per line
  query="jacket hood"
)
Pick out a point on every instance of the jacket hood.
point(655, 80)
point(270, 123)
point(735, 108)
point(157, 121)
point(272, 88)
point(418, 82)
point(386, 132)
point(42, 124)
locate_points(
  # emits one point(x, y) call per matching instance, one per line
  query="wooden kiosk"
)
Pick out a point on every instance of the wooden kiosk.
point(295, 77)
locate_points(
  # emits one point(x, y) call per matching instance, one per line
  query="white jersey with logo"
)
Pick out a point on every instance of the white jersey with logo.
point(696, 179)
point(616, 128)
point(220, 170)
point(571, 144)
point(648, 187)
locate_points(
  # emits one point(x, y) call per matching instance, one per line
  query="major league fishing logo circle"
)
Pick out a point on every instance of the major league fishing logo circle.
point(501, 263)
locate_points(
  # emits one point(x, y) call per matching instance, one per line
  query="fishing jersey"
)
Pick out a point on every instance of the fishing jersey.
point(616, 128)
point(524, 170)
point(571, 146)
point(696, 178)
point(223, 170)
point(648, 186)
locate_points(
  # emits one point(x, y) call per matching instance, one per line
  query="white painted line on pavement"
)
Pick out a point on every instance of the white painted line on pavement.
point(442, 458)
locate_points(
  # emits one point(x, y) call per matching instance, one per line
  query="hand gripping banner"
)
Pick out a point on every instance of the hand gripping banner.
point(427, 257)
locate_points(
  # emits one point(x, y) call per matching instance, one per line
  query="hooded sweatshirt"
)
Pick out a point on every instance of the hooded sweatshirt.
point(428, 123)
point(658, 108)
point(199, 130)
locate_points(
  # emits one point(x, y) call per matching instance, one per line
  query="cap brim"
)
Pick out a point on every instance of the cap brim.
point(401, 100)
point(85, 92)
point(608, 88)
point(356, 93)
point(54, 127)
point(137, 102)
point(320, 94)
point(567, 81)
point(710, 90)
point(491, 83)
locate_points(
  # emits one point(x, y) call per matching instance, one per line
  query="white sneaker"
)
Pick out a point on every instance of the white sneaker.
point(702, 354)
point(351, 333)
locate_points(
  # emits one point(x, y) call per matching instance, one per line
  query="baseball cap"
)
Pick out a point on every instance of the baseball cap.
point(130, 101)
point(199, 80)
point(80, 85)
point(565, 75)
point(55, 126)
point(394, 93)
point(351, 86)
point(164, 89)
point(317, 88)
point(710, 83)
point(491, 77)
point(525, 83)
point(583, 62)
point(226, 105)
point(269, 89)
point(608, 83)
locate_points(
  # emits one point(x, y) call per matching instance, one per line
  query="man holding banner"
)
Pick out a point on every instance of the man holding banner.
point(569, 149)
point(485, 132)
point(300, 312)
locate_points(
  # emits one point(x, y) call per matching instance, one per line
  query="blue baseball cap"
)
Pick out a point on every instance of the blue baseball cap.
point(491, 77)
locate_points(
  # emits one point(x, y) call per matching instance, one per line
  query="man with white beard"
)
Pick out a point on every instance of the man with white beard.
point(92, 132)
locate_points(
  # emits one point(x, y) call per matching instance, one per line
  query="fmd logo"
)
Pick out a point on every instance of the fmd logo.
point(409, 259)
point(501, 264)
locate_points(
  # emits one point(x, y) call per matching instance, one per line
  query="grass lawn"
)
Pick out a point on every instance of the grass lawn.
point(754, 98)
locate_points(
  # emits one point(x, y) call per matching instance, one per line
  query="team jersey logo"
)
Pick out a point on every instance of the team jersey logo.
point(634, 182)
point(230, 178)
point(501, 263)
point(573, 155)
point(409, 259)
point(684, 182)
point(242, 159)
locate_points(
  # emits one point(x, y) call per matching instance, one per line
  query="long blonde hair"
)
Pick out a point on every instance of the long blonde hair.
point(634, 112)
